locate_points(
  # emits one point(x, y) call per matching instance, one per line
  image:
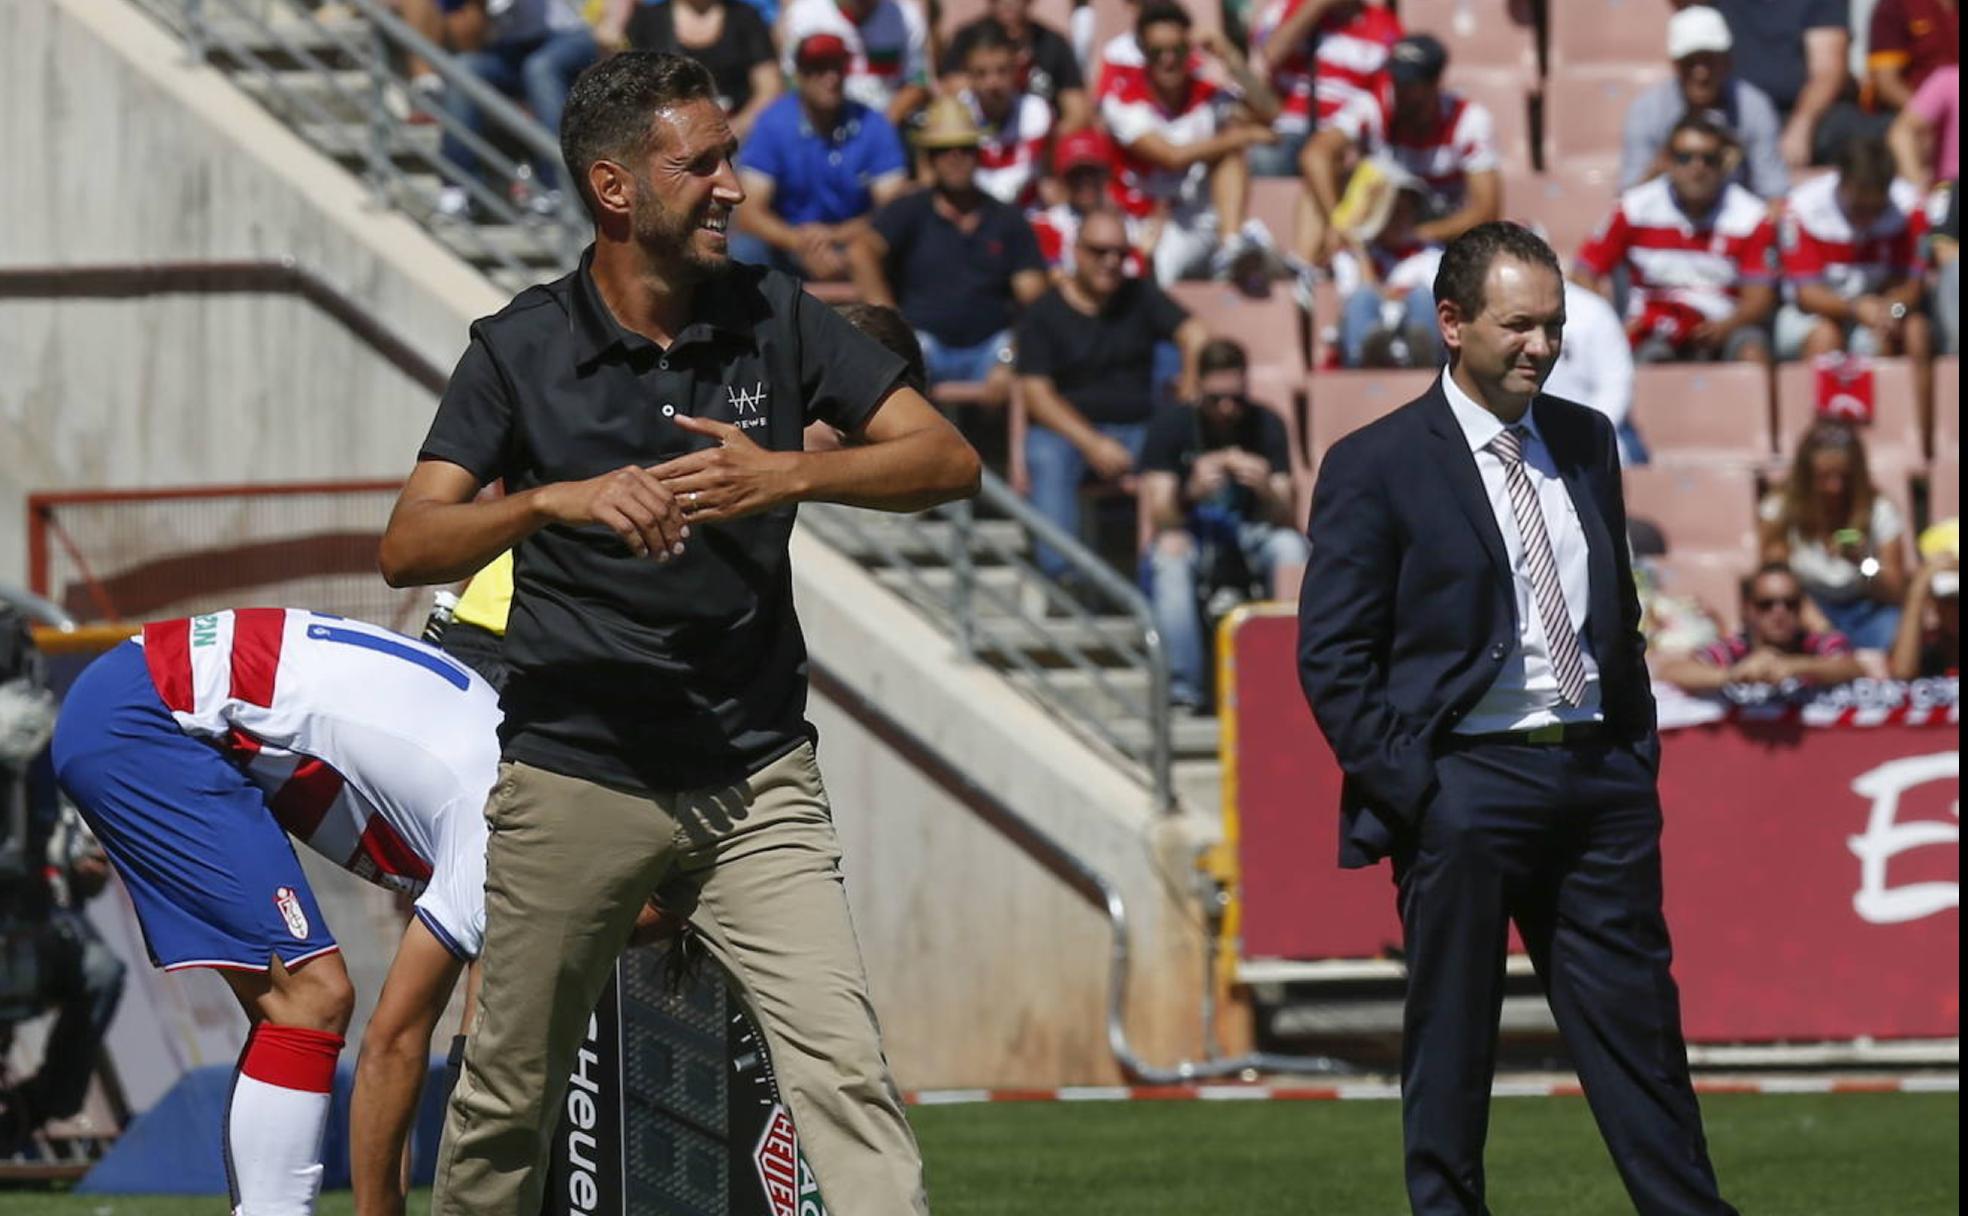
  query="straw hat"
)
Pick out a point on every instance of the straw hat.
point(948, 124)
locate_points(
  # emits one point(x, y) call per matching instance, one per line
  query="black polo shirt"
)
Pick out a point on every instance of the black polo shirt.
point(650, 675)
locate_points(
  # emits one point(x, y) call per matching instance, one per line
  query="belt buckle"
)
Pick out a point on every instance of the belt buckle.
point(1554, 733)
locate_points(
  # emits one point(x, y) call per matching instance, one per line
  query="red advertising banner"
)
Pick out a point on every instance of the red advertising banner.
point(1813, 878)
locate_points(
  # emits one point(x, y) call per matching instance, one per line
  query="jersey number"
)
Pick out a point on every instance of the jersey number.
point(402, 650)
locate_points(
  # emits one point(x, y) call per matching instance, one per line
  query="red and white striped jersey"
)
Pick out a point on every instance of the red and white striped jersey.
point(1684, 270)
point(375, 750)
point(1133, 111)
point(1343, 62)
point(887, 49)
point(1820, 245)
point(1010, 161)
point(1460, 141)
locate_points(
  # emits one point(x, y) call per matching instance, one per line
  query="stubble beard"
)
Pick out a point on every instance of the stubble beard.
point(668, 238)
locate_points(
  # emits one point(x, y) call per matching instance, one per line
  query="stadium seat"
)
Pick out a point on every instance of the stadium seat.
point(1608, 33)
point(1502, 94)
point(953, 15)
point(1700, 507)
point(1271, 329)
point(1274, 203)
point(1344, 401)
point(1568, 202)
point(1712, 580)
point(1585, 111)
point(1478, 33)
point(1944, 487)
point(1712, 411)
point(1947, 406)
point(1894, 436)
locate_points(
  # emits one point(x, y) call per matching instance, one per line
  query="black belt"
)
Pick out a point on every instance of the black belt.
point(1543, 736)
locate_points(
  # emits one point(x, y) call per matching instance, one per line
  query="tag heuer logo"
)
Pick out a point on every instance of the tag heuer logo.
point(777, 1159)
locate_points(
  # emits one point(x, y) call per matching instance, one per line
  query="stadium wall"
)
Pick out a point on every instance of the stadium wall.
point(987, 970)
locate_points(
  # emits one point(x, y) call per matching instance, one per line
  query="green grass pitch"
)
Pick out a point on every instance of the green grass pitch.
point(1790, 1155)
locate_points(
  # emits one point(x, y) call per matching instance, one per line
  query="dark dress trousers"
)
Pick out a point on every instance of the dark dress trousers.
point(1407, 615)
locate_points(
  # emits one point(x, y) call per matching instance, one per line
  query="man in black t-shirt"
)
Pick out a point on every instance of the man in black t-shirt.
point(1217, 479)
point(645, 414)
point(956, 262)
point(1086, 358)
point(1047, 69)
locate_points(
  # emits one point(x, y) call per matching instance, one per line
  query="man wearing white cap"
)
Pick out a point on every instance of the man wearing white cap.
point(1699, 45)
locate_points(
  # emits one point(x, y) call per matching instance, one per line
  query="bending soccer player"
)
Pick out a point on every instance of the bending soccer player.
point(193, 752)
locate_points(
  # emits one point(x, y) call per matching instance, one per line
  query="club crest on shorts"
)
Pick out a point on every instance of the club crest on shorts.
point(289, 902)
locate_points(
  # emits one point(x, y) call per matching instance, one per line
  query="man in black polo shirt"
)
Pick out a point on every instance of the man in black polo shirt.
point(956, 262)
point(645, 414)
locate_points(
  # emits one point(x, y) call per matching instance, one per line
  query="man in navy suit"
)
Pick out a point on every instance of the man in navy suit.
point(1469, 641)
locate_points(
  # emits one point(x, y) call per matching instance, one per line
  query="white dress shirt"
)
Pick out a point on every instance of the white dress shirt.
point(1595, 362)
point(1525, 693)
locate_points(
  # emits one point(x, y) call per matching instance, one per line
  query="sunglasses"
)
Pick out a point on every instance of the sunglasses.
point(1212, 398)
point(1792, 602)
point(1104, 252)
point(1713, 160)
point(1168, 50)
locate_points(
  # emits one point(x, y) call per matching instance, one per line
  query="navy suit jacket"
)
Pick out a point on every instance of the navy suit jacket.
point(1407, 611)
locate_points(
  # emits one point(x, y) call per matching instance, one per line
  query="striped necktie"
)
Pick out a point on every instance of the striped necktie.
point(1541, 567)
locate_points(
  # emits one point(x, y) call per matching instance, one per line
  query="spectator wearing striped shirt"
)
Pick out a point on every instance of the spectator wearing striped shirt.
point(1322, 57)
point(1774, 647)
point(1016, 123)
point(1696, 248)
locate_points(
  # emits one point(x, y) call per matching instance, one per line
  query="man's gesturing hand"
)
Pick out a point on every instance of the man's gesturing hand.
point(732, 480)
point(631, 501)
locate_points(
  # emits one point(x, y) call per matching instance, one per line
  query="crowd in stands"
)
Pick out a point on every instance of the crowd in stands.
point(1029, 192)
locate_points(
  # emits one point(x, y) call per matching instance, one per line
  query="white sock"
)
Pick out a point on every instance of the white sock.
point(276, 1117)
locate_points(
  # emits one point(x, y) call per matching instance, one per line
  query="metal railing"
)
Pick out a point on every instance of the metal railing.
point(339, 76)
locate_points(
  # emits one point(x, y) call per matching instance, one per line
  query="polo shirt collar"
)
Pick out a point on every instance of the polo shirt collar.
point(596, 332)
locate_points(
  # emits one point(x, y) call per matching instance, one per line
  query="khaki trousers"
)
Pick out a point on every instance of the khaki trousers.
point(756, 867)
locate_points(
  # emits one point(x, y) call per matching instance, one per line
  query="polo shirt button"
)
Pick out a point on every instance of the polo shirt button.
point(1497, 652)
point(663, 363)
point(669, 411)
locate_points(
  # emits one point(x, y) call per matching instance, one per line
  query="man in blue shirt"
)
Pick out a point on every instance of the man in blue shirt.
point(816, 166)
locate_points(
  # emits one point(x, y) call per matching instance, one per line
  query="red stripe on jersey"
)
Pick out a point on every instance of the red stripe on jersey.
point(167, 653)
point(242, 745)
point(256, 634)
point(382, 845)
point(303, 800)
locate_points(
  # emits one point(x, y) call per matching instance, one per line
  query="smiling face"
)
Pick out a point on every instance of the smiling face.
point(686, 189)
point(1510, 345)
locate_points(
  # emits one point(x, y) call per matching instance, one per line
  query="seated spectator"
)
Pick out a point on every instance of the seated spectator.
point(1926, 137)
point(1699, 45)
point(1851, 264)
point(1086, 356)
point(1084, 166)
point(887, 45)
point(1216, 482)
point(1929, 639)
point(1321, 57)
point(1696, 247)
point(1046, 68)
point(726, 36)
point(1017, 125)
point(1182, 141)
point(1120, 61)
point(1774, 647)
point(1595, 366)
point(1796, 52)
point(1446, 141)
point(1385, 273)
point(1842, 538)
point(527, 49)
point(956, 262)
point(1909, 41)
point(817, 164)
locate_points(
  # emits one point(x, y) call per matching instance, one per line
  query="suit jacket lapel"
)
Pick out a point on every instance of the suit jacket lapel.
point(1574, 470)
point(1458, 467)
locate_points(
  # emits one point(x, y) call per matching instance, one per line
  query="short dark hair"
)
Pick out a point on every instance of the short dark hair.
point(1701, 124)
point(1160, 12)
point(1466, 262)
point(1867, 163)
point(612, 104)
point(989, 36)
point(1748, 584)
point(1221, 355)
point(886, 326)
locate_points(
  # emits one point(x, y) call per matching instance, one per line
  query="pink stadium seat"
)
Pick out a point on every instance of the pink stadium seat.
point(1274, 203)
point(1584, 111)
point(1568, 202)
point(1701, 507)
point(1713, 411)
point(1271, 329)
point(1712, 580)
point(953, 15)
point(1478, 33)
point(1944, 487)
point(1343, 402)
point(1894, 436)
point(1947, 405)
point(1601, 33)
point(1502, 94)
